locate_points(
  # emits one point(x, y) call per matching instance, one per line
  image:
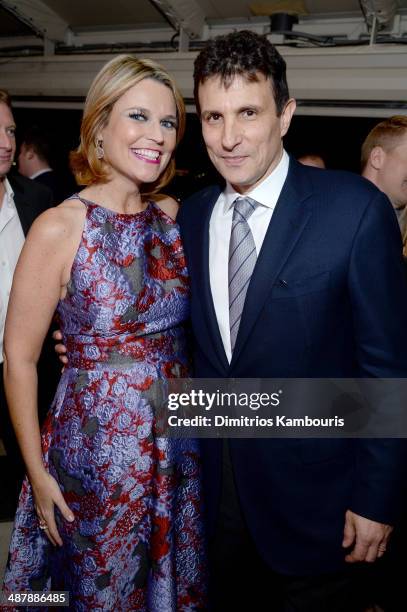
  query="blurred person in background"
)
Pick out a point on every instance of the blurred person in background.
point(21, 201)
point(35, 162)
point(384, 162)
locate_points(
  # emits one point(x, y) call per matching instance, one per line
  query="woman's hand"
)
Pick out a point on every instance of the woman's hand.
point(47, 494)
point(60, 348)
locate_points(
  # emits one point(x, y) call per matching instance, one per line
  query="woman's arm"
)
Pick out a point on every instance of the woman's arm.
point(39, 281)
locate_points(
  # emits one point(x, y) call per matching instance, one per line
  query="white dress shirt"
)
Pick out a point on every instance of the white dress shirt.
point(267, 194)
point(11, 243)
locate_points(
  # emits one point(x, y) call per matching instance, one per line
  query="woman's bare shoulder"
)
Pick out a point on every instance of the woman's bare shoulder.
point(167, 204)
point(59, 223)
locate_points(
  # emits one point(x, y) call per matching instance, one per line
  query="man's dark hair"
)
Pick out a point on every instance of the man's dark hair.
point(37, 139)
point(245, 54)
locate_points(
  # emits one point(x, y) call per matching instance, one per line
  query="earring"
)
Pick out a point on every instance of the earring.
point(99, 149)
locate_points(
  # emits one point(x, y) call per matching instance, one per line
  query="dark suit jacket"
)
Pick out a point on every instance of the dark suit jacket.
point(61, 186)
point(328, 298)
point(31, 199)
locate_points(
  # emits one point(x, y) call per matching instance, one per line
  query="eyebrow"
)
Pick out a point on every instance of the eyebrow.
point(238, 110)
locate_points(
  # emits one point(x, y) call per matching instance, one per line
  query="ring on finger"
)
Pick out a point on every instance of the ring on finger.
point(43, 526)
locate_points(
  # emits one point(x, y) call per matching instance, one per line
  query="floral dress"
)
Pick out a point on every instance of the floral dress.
point(136, 542)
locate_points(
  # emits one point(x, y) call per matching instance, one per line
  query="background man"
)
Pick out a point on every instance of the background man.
point(34, 162)
point(288, 268)
point(21, 201)
point(384, 162)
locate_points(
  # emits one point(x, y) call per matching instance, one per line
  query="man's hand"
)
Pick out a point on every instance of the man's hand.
point(59, 348)
point(369, 538)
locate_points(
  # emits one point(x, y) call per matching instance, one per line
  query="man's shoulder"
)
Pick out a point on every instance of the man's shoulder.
point(48, 178)
point(340, 181)
point(29, 189)
point(197, 202)
point(340, 193)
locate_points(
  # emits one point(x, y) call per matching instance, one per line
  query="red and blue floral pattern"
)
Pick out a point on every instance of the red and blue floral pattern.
point(136, 542)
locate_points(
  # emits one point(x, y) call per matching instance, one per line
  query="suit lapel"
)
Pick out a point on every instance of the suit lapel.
point(207, 203)
point(289, 219)
point(22, 205)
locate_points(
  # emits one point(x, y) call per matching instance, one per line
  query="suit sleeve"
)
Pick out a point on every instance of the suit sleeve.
point(378, 289)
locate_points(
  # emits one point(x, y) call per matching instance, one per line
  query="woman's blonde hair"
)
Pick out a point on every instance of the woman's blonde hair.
point(115, 78)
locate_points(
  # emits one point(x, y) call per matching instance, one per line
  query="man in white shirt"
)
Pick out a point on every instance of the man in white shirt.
point(20, 202)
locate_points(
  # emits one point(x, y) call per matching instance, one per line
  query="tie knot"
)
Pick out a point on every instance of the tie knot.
point(245, 206)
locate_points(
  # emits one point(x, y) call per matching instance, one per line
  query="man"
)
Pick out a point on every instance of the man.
point(304, 297)
point(34, 162)
point(384, 162)
point(20, 202)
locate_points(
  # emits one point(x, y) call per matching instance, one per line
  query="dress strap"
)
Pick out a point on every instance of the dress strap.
point(76, 196)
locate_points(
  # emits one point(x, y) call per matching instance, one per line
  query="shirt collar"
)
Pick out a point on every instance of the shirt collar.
point(8, 198)
point(39, 172)
point(267, 192)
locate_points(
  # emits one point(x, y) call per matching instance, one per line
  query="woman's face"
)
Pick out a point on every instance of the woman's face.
point(140, 135)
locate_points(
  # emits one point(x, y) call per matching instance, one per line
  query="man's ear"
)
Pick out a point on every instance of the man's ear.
point(286, 116)
point(376, 157)
point(27, 151)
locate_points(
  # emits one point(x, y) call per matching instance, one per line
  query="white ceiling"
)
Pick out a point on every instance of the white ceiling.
point(114, 13)
point(105, 12)
point(51, 49)
point(120, 12)
point(99, 12)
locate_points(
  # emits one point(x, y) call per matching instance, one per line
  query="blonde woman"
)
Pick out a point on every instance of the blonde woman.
point(108, 512)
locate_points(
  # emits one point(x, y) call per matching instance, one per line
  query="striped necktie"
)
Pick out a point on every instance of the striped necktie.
point(242, 259)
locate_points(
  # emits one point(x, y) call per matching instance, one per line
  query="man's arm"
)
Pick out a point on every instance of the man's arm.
point(378, 290)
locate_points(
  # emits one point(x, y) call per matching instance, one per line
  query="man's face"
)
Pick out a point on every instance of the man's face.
point(241, 129)
point(7, 139)
point(392, 174)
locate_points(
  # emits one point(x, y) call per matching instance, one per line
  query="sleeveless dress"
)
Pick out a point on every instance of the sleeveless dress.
point(136, 542)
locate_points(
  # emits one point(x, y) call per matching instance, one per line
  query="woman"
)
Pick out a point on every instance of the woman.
point(109, 512)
